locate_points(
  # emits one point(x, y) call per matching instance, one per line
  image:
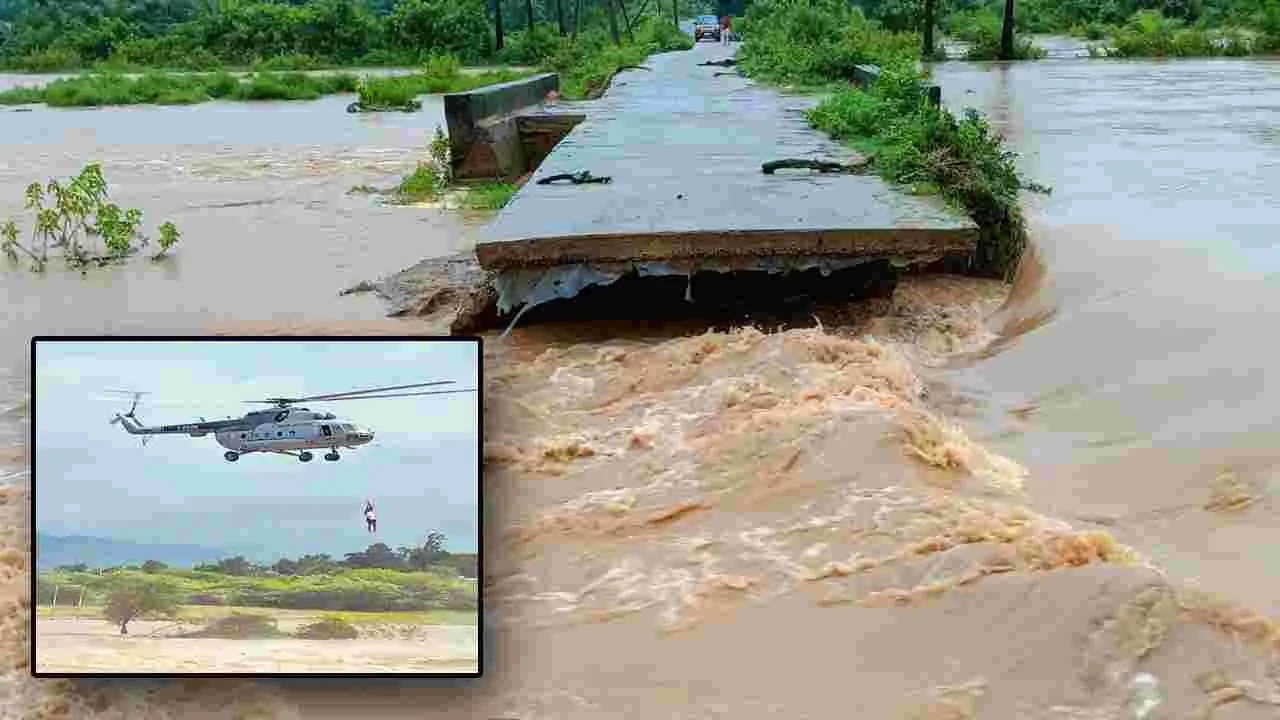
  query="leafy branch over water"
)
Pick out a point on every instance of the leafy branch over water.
point(76, 218)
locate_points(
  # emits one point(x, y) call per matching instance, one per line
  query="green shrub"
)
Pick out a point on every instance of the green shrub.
point(239, 626)
point(388, 92)
point(328, 628)
point(1148, 33)
point(490, 196)
point(913, 143)
point(530, 48)
point(54, 59)
point(816, 44)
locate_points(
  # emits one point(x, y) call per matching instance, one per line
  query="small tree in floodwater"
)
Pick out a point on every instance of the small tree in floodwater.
point(132, 598)
point(76, 218)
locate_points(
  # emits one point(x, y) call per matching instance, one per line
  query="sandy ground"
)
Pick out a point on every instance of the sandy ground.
point(94, 646)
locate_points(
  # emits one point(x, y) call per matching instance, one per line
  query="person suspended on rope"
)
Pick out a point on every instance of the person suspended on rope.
point(370, 519)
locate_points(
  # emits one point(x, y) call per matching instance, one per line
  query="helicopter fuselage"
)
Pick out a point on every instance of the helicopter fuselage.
point(299, 430)
point(280, 431)
point(285, 429)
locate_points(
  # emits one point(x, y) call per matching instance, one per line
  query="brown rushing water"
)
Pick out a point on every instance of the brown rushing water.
point(910, 523)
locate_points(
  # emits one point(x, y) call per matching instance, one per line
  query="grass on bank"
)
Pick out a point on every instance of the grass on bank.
point(157, 88)
point(907, 141)
point(441, 75)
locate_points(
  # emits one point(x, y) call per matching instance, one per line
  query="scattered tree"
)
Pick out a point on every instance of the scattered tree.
point(151, 567)
point(132, 598)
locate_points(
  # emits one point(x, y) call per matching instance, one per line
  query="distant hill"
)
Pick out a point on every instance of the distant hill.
point(55, 550)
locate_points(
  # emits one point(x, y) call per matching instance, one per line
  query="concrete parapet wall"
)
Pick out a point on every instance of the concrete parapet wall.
point(484, 136)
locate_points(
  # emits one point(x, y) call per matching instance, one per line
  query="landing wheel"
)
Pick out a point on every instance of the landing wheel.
point(332, 457)
point(231, 456)
point(305, 456)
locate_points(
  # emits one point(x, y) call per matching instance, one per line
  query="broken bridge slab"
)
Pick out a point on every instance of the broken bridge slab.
point(683, 148)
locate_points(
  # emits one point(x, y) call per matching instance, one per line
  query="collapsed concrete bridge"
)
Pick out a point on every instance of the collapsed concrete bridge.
point(665, 177)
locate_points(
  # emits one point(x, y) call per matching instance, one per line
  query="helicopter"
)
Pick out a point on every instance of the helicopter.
point(282, 429)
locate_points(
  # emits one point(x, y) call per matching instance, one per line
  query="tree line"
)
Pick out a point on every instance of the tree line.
point(428, 556)
point(204, 34)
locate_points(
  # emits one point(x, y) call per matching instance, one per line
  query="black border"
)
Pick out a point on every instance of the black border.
point(480, 622)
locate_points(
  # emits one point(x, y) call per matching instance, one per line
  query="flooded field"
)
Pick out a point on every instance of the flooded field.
point(1057, 502)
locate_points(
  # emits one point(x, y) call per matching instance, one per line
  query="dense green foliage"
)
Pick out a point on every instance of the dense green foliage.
point(1150, 34)
point(1135, 28)
point(377, 579)
point(76, 218)
point(48, 35)
point(587, 63)
point(802, 43)
point(907, 140)
point(200, 35)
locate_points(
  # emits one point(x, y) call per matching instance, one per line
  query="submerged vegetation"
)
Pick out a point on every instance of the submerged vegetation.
point(157, 88)
point(76, 218)
point(1150, 34)
point(981, 28)
point(442, 74)
point(1129, 28)
point(490, 196)
point(432, 179)
point(907, 140)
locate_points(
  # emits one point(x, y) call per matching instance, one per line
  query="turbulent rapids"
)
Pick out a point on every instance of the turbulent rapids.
point(739, 510)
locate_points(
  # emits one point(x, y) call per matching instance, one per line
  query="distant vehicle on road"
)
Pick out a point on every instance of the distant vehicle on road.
point(706, 27)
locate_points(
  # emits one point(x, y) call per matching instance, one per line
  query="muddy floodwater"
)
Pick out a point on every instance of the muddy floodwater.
point(1061, 504)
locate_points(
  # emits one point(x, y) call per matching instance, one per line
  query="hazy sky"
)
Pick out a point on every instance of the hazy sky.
point(93, 478)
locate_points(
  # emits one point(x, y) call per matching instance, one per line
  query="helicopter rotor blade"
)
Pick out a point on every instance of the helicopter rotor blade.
point(347, 395)
point(400, 395)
